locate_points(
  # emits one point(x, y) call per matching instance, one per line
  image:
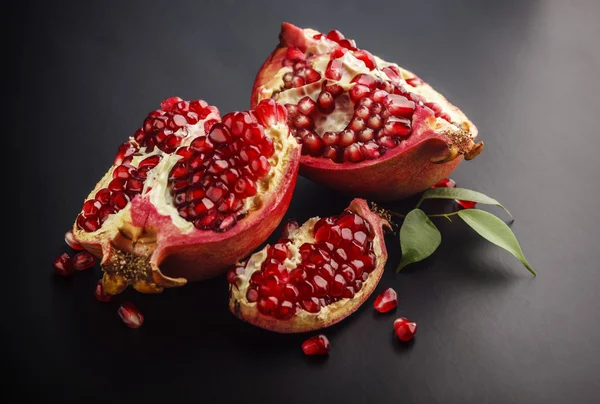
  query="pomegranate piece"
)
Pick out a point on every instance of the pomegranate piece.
point(373, 117)
point(405, 329)
point(63, 265)
point(71, 242)
point(317, 345)
point(100, 294)
point(189, 187)
point(83, 260)
point(130, 315)
point(316, 275)
point(386, 301)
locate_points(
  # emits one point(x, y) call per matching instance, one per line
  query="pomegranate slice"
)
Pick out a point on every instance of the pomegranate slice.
point(317, 275)
point(376, 129)
point(189, 194)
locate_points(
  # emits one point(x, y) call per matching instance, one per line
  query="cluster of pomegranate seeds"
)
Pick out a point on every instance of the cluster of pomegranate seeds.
point(386, 301)
point(332, 268)
point(217, 172)
point(63, 265)
point(317, 345)
point(405, 329)
point(450, 183)
point(130, 315)
point(100, 294)
point(301, 74)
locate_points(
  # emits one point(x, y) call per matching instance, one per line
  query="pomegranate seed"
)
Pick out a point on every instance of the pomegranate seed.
point(294, 54)
point(198, 106)
point(375, 122)
point(134, 186)
point(326, 102)
point(63, 265)
point(365, 135)
point(330, 138)
point(386, 301)
point(414, 81)
point(130, 315)
point(346, 43)
point(207, 222)
point(245, 187)
point(445, 183)
point(267, 305)
point(302, 122)
point(260, 166)
point(71, 242)
point(91, 224)
point(399, 105)
point(83, 260)
point(338, 52)
point(101, 294)
point(334, 89)
point(466, 204)
point(312, 145)
point(346, 138)
point(335, 35)
point(387, 142)
point(317, 345)
point(312, 305)
point(119, 200)
point(397, 126)
point(311, 75)
point(117, 184)
point(286, 310)
point(307, 106)
point(292, 110)
point(393, 73)
point(298, 81)
point(353, 154)
point(358, 92)
point(103, 196)
point(376, 108)
point(357, 124)
point(169, 103)
point(405, 329)
point(367, 58)
point(267, 112)
point(219, 134)
point(125, 150)
point(334, 70)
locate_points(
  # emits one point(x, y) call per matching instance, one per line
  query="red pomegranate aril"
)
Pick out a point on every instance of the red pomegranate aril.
point(202, 145)
point(117, 184)
point(90, 207)
point(71, 242)
point(359, 92)
point(294, 54)
point(337, 286)
point(169, 103)
point(130, 315)
point(330, 139)
point(445, 183)
point(245, 187)
point(367, 58)
point(347, 138)
point(375, 122)
point(103, 196)
point(387, 142)
point(334, 70)
point(260, 166)
point(267, 305)
point(90, 224)
point(466, 204)
point(286, 310)
point(311, 76)
point(393, 73)
point(353, 154)
point(366, 135)
point(346, 44)
point(298, 81)
point(203, 206)
point(335, 35)
point(83, 260)
point(414, 81)
point(307, 106)
point(357, 124)
point(100, 294)
point(312, 304)
point(252, 295)
point(125, 150)
point(397, 127)
point(317, 345)
point(104, 212)
point(399, 105)
point(119, 200)
point(63, 265)
point(134, 186)
point(312, 145)
point(348, 273)
point(302, 122)
point(219, 134)
point(405, 329)
point(386, 301)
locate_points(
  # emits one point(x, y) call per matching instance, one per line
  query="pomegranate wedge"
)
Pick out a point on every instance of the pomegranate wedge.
point(367, 126)
point(315, 276)
point(189, 194)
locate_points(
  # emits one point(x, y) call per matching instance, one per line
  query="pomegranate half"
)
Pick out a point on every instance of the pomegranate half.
point(313, 277)
point(189, 194)
point(368, 127)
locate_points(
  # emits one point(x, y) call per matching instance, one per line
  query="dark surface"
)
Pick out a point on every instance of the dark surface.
point(526, 72)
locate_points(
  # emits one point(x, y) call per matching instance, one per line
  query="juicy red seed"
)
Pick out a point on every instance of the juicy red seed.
point(334, 89)
point(198, 106)
point(260, 166)
point(338, 52)
point(151, 161)
point(348, 273)
point(312, 145)
point(386, 301)
point(226, 223)
point(101, 294)
point(357, 124)
point(312, 305)
point(337, 286)
point(122, 171)
point(267, 112)
point(311, 75)
point(330, 139)
point(249, 153)
point(376, 108)
point(405, 329)
point(90, 207)
point(307, 106)
point(367, 58)
point(245, 187)
point(393, 73)
point(445, 183)
point(365, 135)
point(346, 44)
point(171, 143)
point(294, 54)
point(267, 305)
point(83, 260)
point(317, 345)
point(218, 167)
point(63, 265)
point(202, 145)
point(387, 142)
point(358, 92)
point(207, 222)
point(90, 224)
point(466, 204)
point(125, 150)
point(365, 80)
point(139, 135)
point(195, 194)
point(414, 81)
point(290, 292)
point(130, 315)
point(169, 103)
point(267, 147)
point(321, 286)
point(353, 154)
point(103, 196)
point(279, 251)
point(298, 81)
point(220, 134)
point(326, 102)
point(302, 122)
point(161, 135)
point(252, 295)
point(399, 105)
point(335, 35)
point(104, 212)
point(71, 242)
point(334, 70)
point(203, 206)
point(119, 200)
point(397, 126)
point(435, 107)
point(346, 138)
point(117, 184)
point(375, 122)
point(292, 110)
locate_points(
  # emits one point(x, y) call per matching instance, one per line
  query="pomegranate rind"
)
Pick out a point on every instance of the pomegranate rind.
point(432, 152)
point(304, 321)
point(142, 247)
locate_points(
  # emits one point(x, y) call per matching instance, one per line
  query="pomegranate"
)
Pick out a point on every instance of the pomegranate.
point(317, 345)
point(405, 329)
point(315, 276)
point(367, 126)
point(189, 194)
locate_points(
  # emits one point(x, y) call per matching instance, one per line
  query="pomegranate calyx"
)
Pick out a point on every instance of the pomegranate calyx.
point(460, 144)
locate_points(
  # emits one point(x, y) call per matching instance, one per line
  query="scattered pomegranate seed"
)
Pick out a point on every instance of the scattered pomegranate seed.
point(386, 301)
point(466, 204)
point(130, 315)
point(83, 260)
point(71, 242)
point(100, 294)
point(317, 345)
point(63, 265)
point(445, 183)
point(405, 329)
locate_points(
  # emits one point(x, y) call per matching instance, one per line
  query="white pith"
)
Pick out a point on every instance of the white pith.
point(351, 66)
point(156, 186)
point(304, 234)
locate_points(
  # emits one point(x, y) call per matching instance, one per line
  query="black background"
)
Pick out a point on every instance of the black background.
point(84, 74)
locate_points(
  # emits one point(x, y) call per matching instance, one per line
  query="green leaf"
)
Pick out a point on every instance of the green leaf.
point(419, 238)
point(462, 194)
point(496, 231)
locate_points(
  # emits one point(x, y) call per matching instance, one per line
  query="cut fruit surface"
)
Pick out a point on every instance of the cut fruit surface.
point(315, 276)
point(367, 126)
point(184, 196)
